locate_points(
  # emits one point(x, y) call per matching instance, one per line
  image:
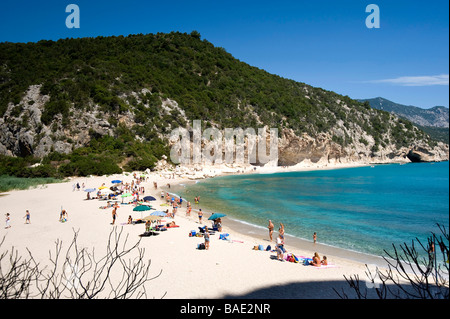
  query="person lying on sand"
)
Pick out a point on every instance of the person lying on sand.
point(171, 224)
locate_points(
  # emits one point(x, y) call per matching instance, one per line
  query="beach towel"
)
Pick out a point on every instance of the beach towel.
point(223, 236)
point(326, 266)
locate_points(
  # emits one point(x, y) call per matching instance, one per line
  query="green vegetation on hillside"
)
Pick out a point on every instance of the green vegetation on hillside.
point(207, 82)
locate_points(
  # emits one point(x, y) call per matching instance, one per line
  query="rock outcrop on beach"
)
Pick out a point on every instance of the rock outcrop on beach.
point(73, 93)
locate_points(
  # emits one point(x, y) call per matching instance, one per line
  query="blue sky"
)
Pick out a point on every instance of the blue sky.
point(322, 43)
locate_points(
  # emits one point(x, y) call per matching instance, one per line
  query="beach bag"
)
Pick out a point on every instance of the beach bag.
point(201, 246)
point(268, 248)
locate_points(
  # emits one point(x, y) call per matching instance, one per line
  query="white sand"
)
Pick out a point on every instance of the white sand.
point(225, 270)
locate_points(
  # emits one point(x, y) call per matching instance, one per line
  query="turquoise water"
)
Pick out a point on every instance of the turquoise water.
point(365, 209)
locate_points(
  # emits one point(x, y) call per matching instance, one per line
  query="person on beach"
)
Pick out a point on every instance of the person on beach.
point(324, 261)
point(188, 211)
point(271, 227)
point(27, 217)
point(218, 224)
point(315, 237)
point(206, 235)
point(114, 215)
point(281, 229)
point(200, 215)
point(171, 224)
point(8, 219)
point(315, 260)
point(280, 248)
point(130, 219)
point(63, 216)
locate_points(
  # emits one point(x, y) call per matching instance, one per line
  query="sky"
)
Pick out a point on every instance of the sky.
point(324, 43)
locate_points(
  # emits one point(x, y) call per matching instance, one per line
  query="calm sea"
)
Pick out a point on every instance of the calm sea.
point(365, 209)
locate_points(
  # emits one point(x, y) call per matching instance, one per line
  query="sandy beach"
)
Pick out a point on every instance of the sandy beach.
point(229, 269)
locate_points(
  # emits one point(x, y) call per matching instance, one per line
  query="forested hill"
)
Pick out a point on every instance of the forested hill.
point(121, 96)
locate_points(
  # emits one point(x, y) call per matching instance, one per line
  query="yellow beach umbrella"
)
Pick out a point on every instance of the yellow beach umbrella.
point(152, 218)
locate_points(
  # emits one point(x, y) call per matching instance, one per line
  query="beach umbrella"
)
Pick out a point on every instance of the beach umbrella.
point(149, 198)
point(102, 187)
point(105, 191)
point(152, 218)
point(125, 195)
point(141, 208)
point(90, 190)
point(216, 215)
point(116, 181)
point(158, 213)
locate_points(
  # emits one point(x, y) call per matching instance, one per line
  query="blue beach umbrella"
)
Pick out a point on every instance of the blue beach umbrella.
point(216, 215)
point(90, 190)
point(158, 213)
point(149, 198)
point(116, 181)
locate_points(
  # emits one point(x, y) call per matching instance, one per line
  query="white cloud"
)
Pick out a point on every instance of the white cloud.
point(417, 80)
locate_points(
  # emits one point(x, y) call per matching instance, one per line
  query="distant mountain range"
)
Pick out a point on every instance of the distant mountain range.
point(434, 121)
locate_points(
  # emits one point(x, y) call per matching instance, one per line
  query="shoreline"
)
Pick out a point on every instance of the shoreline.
point(181, 271)
point(260, 234)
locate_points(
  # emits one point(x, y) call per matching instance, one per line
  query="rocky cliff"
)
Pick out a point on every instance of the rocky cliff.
point(71, 92)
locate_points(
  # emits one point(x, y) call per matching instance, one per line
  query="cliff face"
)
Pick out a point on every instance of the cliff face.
point(322, 151)
point(73, 91)
point(23, 134)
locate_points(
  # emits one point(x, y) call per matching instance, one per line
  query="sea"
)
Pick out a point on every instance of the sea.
point(366, 210)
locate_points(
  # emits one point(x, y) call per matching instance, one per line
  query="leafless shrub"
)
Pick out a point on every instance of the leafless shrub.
point(77, 273)
point(415, 271)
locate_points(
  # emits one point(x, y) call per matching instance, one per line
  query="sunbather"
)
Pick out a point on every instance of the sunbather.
point(315, 260)
point(171, 224)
